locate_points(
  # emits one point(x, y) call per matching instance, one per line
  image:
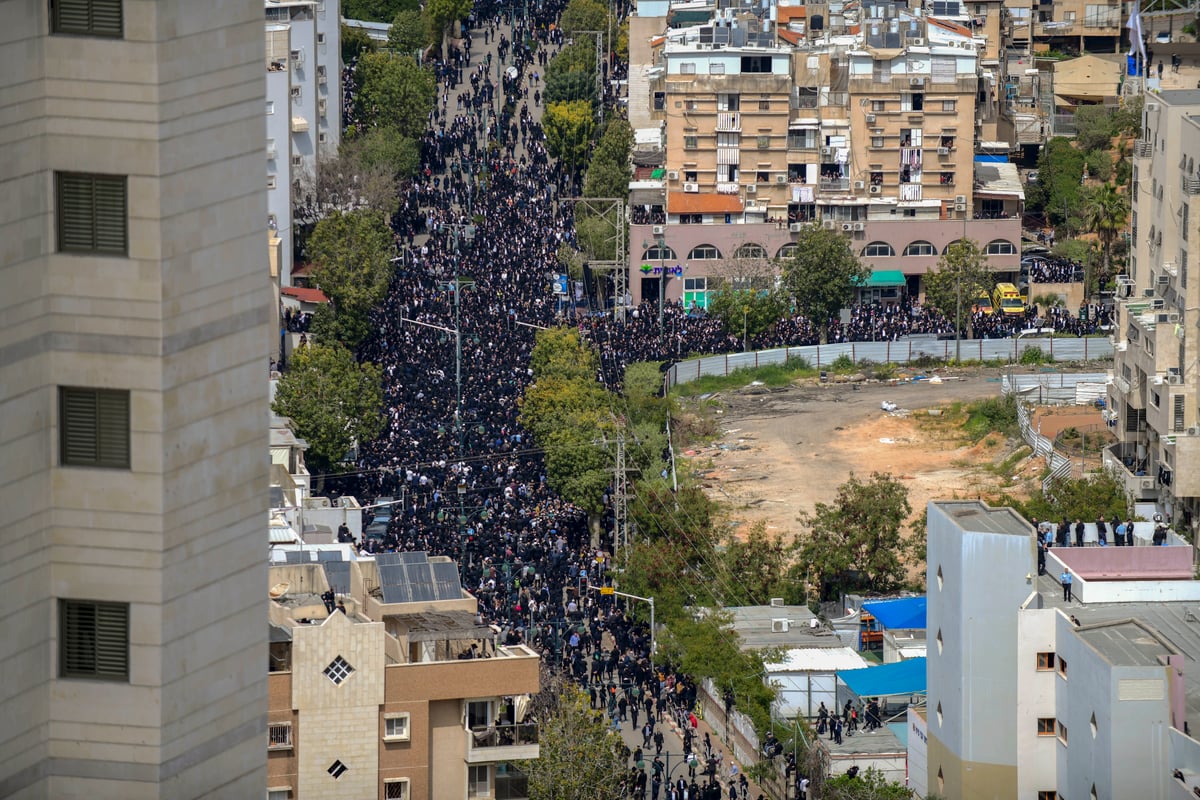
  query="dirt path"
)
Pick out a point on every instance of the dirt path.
point(782, 451)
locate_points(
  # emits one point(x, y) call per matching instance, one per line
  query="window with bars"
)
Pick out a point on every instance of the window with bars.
point(87, 18)
point(93, 640)
point(1177, 408)
point(396, 789)
point(93, 427)
point(279, 736)
point(338, 670)
point(92, 213)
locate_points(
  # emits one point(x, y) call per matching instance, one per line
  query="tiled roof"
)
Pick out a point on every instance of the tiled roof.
point(698, 203)
point(304, 295)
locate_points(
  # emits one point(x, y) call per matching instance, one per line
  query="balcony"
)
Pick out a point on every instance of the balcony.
point(729, 122)
point(502, 743)
point(1134, 473)
point(834, 185)
point(1143, 149)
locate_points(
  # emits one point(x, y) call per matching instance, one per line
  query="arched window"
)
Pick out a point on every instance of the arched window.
point(946, 249)
point(704, 252)
point(876, 249)
point(659, 253)
point(920, 248)
point(1001, 247)
point(789, 250)
point(750, 250)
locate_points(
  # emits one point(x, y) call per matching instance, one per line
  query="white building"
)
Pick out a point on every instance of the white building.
point(304, 108)
point(1033, 697)
point(133, 347)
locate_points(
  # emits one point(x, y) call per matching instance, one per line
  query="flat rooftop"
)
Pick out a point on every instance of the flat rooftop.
point(1176, 622)
point(1126, 643)
point(881, 741)
point(978, 517)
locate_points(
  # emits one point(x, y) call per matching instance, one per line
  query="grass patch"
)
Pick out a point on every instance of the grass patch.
point(1005, 468)
point(992, 414)
point(772, 375)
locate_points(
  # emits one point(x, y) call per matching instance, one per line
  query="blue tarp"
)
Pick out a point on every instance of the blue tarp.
point(907, 613)
point(991, 158)
point(902, 677)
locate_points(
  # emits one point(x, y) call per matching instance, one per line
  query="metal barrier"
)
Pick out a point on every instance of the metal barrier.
point(1060, 465)
point(901, 352)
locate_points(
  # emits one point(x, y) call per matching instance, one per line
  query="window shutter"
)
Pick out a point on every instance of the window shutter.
point(111, 214)
point(77, 427)
point(75, 222)
point(112, 428)
point(94, 639)
point(89, 17)
point(107, 18)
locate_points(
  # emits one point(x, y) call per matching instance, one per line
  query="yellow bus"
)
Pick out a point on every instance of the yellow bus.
point(1008, 300)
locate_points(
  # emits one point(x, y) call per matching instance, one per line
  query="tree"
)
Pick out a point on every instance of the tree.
point(574, 85)
point(355, 42)
point(332, 401)
point(754, 568)
point(363, 175)
point(1057, 192)
point(855, 543)
point(376, 10)
point(409, 33)
point(583, 15)
point(394, 91)
point(580, 757)
point(384, 150)
point(822, 276)
point(443, 15)
point(1094, 128)
point(352, 254)
point(609, 172)
point(568, 129)
point(746, 312)
point(579, 56)
point(962, 275)
point(866, 785)
point(1105, 214)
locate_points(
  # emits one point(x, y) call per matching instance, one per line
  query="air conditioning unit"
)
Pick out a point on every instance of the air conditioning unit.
point(320, 502)
point(298, 57)
point(777, 602)
point(796, 227)
point(859, 185)
point(847, 227)
point(691, 187)
point(1147, 293)
point(781, 178)
point(828, 224)
point(673, 175)
point(870, 119)
point(876, 189)
point(321, 106)
point(826, 151)
point(960, 206)
point(960, 200)
point(860, 226)
point(1148, 484)
point(752, 189)
point(779, 626)
point(1152, 106)
point(917, 42)
point(659, 229)
point(1193, 431)
point(1175, 380)
point(272, 153)
point(943, 151)
point(1163, 280)
point(1166, 319)
point(917, 81)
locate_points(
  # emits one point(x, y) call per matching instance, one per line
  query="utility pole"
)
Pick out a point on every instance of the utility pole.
point(620, 509)
point(600, 61)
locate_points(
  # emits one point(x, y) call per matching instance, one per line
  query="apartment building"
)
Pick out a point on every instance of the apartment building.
point(1034, 697)
point(303, 110)
point(1152, 392)
point(134, 330)
point(780, 117)
point(405, 695)
point(1078, 26)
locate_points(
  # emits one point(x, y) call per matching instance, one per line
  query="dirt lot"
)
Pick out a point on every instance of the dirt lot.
point(781, 451)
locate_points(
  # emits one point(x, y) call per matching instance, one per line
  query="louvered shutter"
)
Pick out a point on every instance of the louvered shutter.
point(112, 429)
point(77, 427)
point(92, 213)
point(76, 224)
point(94, 639)
point(89, 17)
point(111, 217)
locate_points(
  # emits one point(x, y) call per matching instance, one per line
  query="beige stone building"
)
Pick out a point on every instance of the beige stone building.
point(1153, 391)
point(133, 351)
point(778, 117)
point(382, 701)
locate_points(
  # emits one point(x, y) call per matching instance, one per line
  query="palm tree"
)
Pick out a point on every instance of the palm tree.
point(1105, 214)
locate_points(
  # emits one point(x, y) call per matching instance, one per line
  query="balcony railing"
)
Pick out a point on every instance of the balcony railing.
point(834, 184)
point(729, 121)
point(502, 743)
point(1122, 462)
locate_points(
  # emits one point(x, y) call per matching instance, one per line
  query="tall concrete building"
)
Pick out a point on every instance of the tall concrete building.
point(1155, 383)
point(133, 410)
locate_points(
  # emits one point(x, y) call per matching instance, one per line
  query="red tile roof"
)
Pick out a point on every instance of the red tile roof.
point(304, 295)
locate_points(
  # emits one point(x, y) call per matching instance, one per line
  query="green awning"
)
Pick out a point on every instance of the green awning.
point(885, 277)
point(658, 174)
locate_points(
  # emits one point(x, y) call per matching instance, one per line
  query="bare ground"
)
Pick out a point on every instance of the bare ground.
point(779, 452)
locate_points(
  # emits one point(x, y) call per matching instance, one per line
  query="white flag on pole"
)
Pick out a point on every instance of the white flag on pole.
point(1137, 40)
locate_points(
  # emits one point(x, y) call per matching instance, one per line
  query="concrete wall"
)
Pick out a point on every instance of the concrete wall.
point(1037, 756)
point(181, 322)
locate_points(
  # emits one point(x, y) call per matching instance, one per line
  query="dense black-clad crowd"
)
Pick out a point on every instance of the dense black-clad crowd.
point(1051, 269)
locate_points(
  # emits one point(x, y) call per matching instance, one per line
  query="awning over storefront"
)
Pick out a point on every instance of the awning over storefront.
point(884, 278)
